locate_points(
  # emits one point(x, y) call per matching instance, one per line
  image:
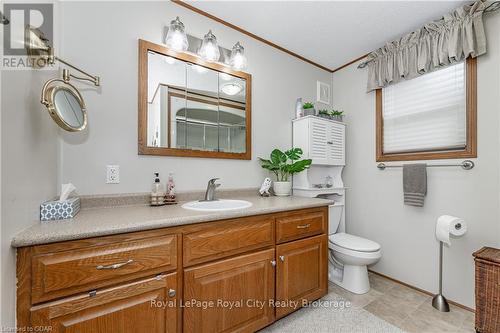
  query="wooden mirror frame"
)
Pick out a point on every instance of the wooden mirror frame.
point(144, 149)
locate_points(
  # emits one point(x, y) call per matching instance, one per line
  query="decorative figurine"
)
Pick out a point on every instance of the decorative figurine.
point(264, 189)
point(329, 181)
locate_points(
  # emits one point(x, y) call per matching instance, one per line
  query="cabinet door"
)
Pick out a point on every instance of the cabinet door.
point(302, 273)
point(231, 295)
point(336, 144)
point(327, 144)
point(149, 306)
point(319, 133)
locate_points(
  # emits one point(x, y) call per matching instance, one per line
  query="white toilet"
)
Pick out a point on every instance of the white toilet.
point(349, 255)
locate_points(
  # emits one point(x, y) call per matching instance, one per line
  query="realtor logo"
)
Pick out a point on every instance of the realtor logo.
point(19, 15)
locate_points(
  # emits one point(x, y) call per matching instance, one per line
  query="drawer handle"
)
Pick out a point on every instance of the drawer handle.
point(282, 258)
point(273, 263)
point(115, 266)
point(171, 293)
point(330, 142)
point(304, 226)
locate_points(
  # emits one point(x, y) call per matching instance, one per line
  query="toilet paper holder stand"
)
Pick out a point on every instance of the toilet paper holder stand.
point(439, 302)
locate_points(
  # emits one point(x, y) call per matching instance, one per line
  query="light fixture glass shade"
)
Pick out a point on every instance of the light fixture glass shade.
point(209, 49)
point(238, 60)
point(231, 89)
point(176, 36)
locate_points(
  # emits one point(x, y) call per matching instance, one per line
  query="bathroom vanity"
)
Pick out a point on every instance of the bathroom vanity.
point(170, 270)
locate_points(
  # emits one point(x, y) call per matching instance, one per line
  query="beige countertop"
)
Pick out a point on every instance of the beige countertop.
point(92, 222)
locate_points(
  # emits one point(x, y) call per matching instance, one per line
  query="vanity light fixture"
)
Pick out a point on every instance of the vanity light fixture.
point(209, 49)
point(238, 60)
point(177, 40)
point(231, 89)
point(176, 36)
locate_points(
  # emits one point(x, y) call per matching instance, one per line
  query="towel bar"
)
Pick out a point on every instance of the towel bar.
point(466, 165)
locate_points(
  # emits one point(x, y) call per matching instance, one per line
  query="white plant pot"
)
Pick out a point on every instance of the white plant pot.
point(282, 189)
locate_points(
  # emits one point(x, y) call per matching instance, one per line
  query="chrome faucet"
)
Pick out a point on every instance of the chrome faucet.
point(210, 194)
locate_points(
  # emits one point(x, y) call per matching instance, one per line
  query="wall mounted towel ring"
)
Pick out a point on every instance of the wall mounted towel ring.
point(62, 99)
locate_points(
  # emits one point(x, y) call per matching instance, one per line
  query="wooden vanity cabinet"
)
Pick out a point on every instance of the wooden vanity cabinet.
point(251, 269)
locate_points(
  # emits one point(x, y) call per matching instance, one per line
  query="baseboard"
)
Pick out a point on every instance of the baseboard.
point(421, 290)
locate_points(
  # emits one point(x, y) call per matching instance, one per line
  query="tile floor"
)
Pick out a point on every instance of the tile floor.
point(408, 309)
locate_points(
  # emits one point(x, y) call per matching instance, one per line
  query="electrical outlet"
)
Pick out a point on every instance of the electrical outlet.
point(112, 174)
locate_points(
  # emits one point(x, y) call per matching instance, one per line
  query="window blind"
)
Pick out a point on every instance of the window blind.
point(427, 113)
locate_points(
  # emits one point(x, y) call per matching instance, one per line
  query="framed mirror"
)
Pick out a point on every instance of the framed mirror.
point(189, 107)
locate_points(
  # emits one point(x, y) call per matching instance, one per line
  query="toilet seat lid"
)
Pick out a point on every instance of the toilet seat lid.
point(355, 243)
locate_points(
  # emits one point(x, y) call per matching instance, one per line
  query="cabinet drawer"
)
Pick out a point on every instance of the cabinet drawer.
point(64, 273)
point(147, 305)
point(300, 225)
point(227, 238)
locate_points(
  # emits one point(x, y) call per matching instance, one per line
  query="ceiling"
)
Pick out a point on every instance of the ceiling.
point(329, 33)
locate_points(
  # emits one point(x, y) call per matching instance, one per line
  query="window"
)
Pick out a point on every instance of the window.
point(430, 117)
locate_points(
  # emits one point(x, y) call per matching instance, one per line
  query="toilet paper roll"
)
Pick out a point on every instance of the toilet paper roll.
point(449, 225)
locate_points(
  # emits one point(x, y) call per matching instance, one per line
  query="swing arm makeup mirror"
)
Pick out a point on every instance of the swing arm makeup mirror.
point(62, 99)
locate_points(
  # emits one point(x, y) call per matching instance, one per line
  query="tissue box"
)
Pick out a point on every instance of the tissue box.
point(58, 210)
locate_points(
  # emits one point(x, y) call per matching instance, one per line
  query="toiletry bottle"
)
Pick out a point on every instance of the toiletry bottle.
point(170, 195)
point(157, 192)
point(299, 111)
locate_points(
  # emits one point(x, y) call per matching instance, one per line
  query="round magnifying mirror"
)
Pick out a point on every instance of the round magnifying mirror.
point(66, 106)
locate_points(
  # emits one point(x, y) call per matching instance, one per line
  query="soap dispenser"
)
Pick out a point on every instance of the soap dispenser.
point(170, 198)
point(157, 192)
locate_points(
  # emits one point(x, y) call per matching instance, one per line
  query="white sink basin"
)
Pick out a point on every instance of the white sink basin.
point(217, 206)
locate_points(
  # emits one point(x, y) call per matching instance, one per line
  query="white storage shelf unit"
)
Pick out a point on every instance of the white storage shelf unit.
point(322, 140)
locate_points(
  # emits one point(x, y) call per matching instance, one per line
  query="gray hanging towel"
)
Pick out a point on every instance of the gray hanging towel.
point(414, 184)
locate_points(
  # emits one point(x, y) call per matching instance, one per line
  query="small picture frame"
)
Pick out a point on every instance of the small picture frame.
point(323, 92)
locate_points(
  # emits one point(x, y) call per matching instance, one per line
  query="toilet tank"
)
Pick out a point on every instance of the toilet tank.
point(335, 219)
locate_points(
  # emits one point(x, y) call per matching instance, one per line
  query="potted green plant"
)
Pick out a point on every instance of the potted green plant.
point(284, 165)
point(309, 109)
point(334, 114)
point(324, 113)
point(338, 115)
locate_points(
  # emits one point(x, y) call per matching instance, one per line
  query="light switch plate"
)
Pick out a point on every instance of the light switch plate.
point(112, 174)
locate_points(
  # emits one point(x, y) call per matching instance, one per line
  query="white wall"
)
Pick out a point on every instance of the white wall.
point(102, 38)
point(375, 207)
point(29, 154)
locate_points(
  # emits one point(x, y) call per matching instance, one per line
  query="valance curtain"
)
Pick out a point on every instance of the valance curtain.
point(451, 39)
